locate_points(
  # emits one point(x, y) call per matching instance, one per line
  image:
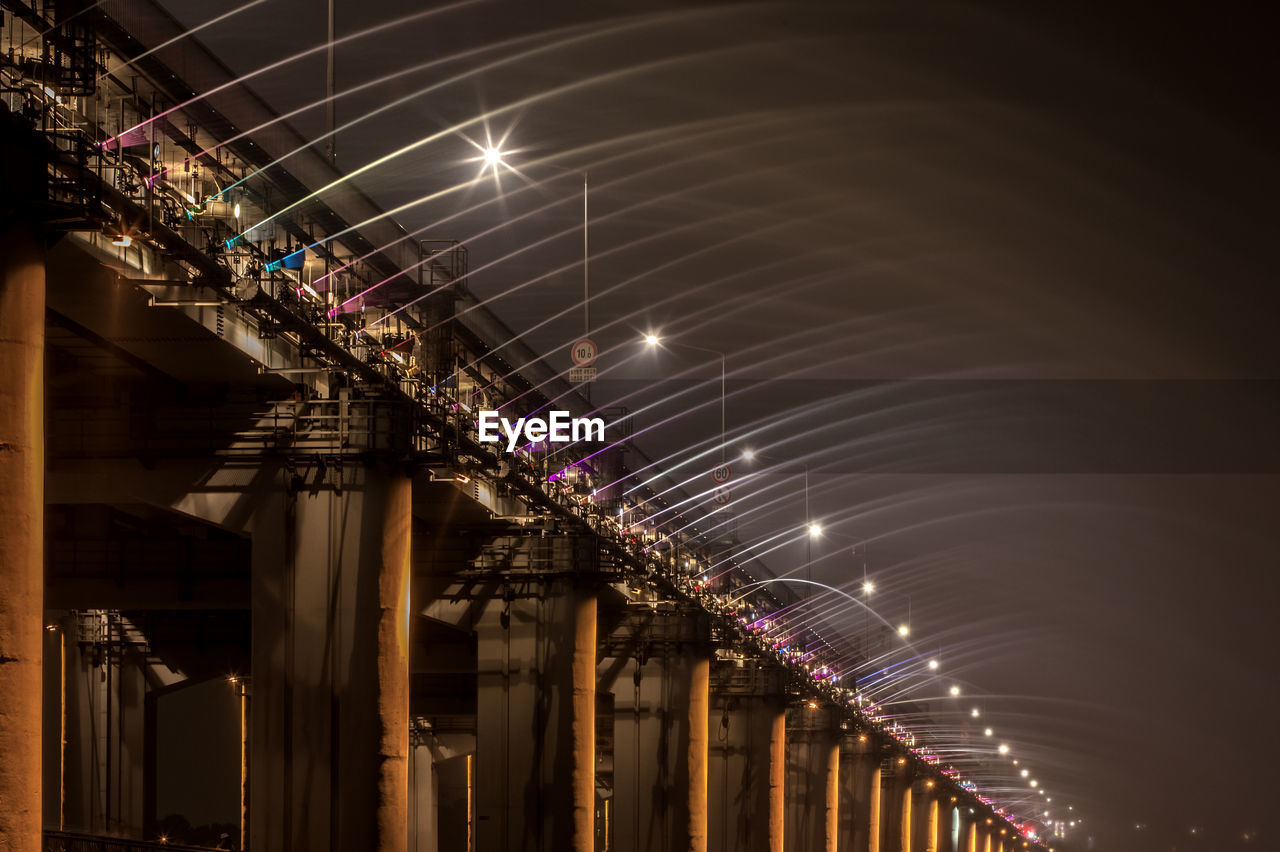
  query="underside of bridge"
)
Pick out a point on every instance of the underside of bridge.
point(261, 587)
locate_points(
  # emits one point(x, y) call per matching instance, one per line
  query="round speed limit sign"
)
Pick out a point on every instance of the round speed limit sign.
point(584, 352)
point(722, 474)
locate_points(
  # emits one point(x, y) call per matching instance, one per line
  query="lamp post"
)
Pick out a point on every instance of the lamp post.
point(654, 340)
point(812, 530)
point(586, 244)
point(492, 157)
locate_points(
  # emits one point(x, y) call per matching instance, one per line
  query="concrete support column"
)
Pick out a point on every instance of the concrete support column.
point(535, 718)
point(660, 753)
point(859, 817)
point(747, 773)
point(428, 751)
point(698, 754)
point(968, 833)
point(813, 777)
point(329, 750)
point(895, 811)
point(583, 725)
point(924, 808)
point(777, 782)
point(424, 785)
point(22, 272)
point(946, 824)
point(832, 826)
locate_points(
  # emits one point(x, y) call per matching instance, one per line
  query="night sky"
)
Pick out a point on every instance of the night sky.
point(1000, 275)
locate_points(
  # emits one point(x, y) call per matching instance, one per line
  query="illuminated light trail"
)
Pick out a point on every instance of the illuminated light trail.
point(482, 303)
point(424, 66)
point(574, 308)
point(459, 4)
point(592, 34)
point(677, 135)
point(773, 225)
point(484, 118)
point(224, 16)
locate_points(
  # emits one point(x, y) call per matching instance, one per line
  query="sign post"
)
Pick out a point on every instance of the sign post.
point(583, 354)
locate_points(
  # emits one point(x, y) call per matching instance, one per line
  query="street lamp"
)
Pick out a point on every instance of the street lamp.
point(654, 340)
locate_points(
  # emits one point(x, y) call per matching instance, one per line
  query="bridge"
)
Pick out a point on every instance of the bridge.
point(256, 557)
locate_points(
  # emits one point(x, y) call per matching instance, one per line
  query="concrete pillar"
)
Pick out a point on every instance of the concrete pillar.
point(924, 808)
point(22, 272)
point(832, 827)
point(946, 824)
point(813, 776)
point(329, 747)
point(968, 833)
point(699, 721)
point(660, 753)
point(777, 782)
point(126, 744)
point(858, 828)
point(535, 718)
point(583, 726)
point(747, 772)
point(424, 786)
point(895, 811)
point(429, 755)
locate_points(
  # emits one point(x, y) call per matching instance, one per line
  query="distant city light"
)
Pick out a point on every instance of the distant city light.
point(492, 156)
point(933, 664)
point(955, 690)
point(904, 630)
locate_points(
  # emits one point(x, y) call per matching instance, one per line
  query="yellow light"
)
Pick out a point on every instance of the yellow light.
point(933, 664)
point(492, 156)
point(652, 339)
point(955, 690)
point(815, 530)
point(813, 705)
point(988, 732)
point(904, 630)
